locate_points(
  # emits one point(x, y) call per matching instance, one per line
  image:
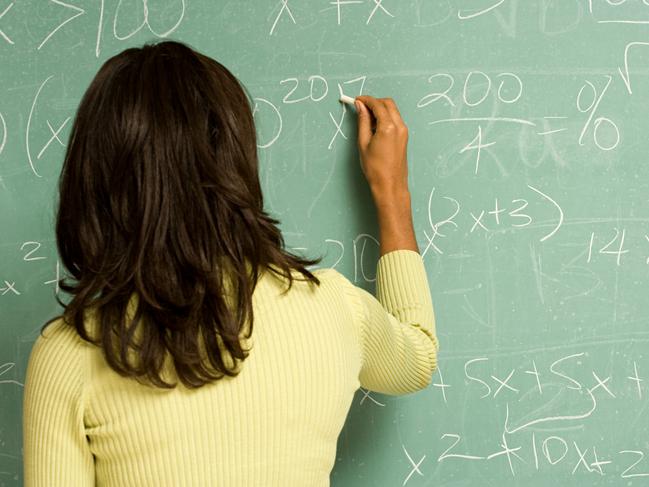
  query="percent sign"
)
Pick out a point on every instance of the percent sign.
point(599, 121)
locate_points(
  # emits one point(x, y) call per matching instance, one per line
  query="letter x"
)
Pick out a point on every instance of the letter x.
point(338, 130)
point(9, 286)
point(601, 383)
point(55, 135)
point(478, 221)
point(414, 465)
point(379, 3)
point(5, 36)
point(366, 394)
point(504, 383)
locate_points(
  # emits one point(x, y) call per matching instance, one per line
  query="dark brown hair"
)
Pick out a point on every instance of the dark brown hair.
point(159, 198)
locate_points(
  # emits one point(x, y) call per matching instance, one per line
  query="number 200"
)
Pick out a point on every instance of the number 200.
point(471, 79)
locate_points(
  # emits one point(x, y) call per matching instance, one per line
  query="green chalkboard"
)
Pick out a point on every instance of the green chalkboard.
point(529, 175)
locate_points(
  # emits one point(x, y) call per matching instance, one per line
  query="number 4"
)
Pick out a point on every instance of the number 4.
point(476, 143)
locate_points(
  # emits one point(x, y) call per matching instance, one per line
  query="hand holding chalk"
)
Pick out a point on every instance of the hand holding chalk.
point(352, 102)
point(346, 99)
point(384, 151)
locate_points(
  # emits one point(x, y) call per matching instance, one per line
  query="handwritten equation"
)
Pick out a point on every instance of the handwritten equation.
point(524, 447)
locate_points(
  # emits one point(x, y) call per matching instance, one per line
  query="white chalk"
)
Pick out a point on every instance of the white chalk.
point(347, 99)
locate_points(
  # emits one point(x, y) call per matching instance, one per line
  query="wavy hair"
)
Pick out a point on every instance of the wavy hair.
point(160, 221)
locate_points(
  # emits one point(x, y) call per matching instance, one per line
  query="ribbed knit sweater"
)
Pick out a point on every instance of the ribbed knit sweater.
point(275, 424)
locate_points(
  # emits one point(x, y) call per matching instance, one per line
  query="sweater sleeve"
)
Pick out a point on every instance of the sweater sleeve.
point(399, 342)
point(55, 449)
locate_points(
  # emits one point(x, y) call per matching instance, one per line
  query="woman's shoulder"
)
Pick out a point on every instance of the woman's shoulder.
point(56, 356)
point(57, 337)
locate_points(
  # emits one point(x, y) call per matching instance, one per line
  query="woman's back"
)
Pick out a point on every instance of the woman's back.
point(275, 423)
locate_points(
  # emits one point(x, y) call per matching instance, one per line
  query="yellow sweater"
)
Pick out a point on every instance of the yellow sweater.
point(275, 424)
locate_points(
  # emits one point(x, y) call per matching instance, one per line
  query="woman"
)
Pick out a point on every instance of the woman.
point(153, 375)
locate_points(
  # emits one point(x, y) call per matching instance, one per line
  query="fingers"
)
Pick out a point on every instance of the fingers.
point(378, 109)
point(364, 125)
point(386, 112)
point(394, 112)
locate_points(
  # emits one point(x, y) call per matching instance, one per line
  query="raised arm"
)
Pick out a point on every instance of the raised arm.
point(399, 341)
